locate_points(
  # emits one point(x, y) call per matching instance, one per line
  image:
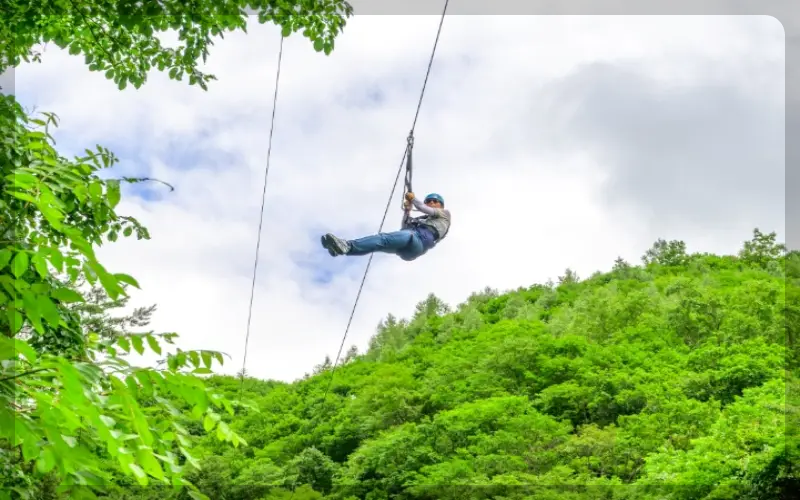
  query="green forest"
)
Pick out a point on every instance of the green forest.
point(661, 379)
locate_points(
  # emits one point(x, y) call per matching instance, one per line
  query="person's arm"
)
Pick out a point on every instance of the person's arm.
point(425, 209)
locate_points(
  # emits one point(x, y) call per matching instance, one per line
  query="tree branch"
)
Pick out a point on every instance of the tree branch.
point(24, 374)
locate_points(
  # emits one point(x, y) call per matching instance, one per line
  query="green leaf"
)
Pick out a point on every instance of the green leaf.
point(52, 215)
point(49, 311)
point(7, 349)
point(32, 310)
point(206, 358)
point(46, 460)
point(113, 193)
point(30, 448)
point(143, 377)
point(127, 279)
point(180, 429)
point(66, 295)
point(196, 495)
point(124, 343)
point(26, 350)
point(16, 319)
point(26, 180)
point(195, 358)
point(11, 286)
point(40, 264)
point(23, 196)
point(90, 275)
point(189, 458)
point(95, 190)
point(318, 45)
point(141, 426)
point(149, 463)
point(138, 343)
point(223, 432)
point(153, 343)
point(5, 258)
point(108, 421)
point(209, 421)
point(180, 359)
point(56, 258)
point(110, 284)
point(183, 440)
point(140, 475)
point(20, 264)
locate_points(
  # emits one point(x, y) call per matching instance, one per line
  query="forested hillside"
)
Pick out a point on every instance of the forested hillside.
point(669, 374)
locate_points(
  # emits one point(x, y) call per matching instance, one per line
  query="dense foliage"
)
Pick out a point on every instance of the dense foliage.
point(666, 380)
point(120, 38)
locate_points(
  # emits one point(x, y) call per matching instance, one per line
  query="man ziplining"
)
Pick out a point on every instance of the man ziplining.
point(417, 236)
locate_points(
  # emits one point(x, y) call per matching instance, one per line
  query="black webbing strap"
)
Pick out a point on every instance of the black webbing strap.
point(407, 188)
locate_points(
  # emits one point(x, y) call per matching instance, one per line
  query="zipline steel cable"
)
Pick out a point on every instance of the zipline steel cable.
point(383, 220)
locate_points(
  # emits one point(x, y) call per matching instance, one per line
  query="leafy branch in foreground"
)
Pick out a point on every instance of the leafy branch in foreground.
point(66, 415)
point(68, 398)
point(121, 38)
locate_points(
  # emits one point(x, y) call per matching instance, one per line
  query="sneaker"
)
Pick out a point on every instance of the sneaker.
point(335, 246)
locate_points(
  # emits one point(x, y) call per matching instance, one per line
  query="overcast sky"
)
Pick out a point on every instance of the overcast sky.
point(556, 142)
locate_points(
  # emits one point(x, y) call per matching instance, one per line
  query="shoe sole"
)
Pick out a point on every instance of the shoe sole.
point(326, 245)
point(330, 245)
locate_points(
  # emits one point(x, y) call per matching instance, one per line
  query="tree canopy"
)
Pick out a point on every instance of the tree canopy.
point(668, 378)
point(121, 38)
point(674, 379)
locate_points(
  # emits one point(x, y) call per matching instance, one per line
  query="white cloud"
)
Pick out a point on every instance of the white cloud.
point(522, 212)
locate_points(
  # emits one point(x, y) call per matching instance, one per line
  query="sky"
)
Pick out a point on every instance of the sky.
point(556, 141)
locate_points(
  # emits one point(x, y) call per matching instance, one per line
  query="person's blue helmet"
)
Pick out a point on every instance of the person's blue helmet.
point(435, 197)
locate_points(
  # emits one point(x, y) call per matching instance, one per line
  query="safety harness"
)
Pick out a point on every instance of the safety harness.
point(416, 222)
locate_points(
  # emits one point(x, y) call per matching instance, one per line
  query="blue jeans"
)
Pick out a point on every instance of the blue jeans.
point(405, 243)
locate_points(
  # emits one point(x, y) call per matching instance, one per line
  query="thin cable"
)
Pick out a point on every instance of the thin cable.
point(388, 204)
point(383, 221)
point(261, 219)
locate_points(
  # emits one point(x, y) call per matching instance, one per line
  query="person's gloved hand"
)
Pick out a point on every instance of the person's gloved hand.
point(409, 196)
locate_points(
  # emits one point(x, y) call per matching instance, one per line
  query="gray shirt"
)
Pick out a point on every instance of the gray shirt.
point(436, 218)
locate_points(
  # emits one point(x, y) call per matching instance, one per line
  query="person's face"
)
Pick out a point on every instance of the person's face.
point(433, 203)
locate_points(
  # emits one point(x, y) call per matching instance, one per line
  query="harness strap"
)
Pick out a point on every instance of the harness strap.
point(417, 222)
